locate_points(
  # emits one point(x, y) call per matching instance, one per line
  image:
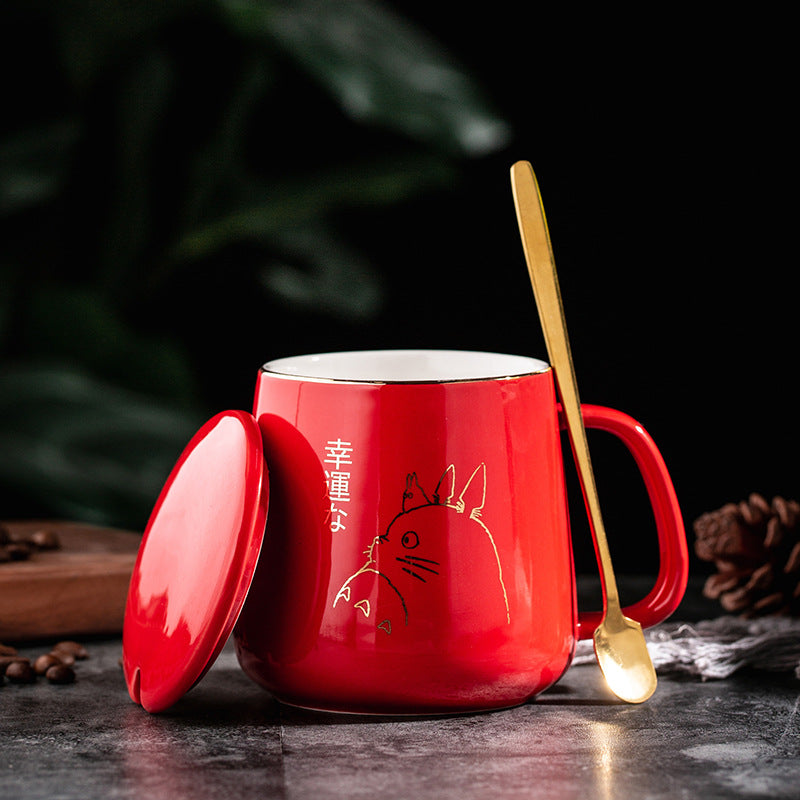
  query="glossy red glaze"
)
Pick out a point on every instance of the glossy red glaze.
point(196, 561)
point(673, 573)
point(417, 556)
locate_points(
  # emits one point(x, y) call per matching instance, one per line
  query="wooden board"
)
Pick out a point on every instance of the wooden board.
point(78, 590)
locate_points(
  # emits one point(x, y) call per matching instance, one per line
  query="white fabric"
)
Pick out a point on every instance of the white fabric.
point(717, 648)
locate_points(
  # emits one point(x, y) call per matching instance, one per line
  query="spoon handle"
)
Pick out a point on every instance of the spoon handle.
point(542, 271)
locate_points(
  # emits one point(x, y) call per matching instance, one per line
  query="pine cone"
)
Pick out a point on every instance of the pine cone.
point(755, 546)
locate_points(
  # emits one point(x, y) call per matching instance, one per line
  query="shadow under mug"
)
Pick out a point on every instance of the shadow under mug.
point(417, 555)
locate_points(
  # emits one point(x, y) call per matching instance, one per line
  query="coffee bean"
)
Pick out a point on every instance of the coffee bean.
point(20, 672)
point(74, 649)
point(60, 673)
point(7, 650)
point(64, 657)
point(44, 662)
point(44, 539)
point(18, 551)
point(5, 535)
point(56, 665)
point(6, 660)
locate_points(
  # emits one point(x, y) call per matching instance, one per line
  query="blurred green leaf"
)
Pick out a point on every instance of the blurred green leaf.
point(295, 203)
point(381, 69)
point(79, 325)
point(324, 274)
point(33, 164)
point(219, 161)
point(92, 34)
point(141, 104)
point(161, 163)
point(85, 449)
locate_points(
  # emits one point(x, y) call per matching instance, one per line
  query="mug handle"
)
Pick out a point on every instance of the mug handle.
point(673, 572)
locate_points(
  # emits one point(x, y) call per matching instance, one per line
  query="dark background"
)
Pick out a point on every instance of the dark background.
point(188, 189)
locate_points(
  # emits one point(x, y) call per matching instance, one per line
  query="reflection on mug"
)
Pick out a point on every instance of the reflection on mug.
point(293, 573)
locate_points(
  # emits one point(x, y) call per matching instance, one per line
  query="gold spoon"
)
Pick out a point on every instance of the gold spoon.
point(619, 643)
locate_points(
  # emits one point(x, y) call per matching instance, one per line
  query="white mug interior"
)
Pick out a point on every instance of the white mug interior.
point(405, 366)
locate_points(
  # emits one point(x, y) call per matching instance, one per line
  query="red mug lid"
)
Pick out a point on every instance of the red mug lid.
point(196, 560)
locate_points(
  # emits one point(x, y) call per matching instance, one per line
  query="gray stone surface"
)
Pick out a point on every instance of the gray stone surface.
point(737, 738)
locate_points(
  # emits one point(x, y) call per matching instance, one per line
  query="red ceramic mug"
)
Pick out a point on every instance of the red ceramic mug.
point(417, 555)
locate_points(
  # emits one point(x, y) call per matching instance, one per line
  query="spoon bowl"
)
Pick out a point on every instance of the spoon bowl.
point(621, 652)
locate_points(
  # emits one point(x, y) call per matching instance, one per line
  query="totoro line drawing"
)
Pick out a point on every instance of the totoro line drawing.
point(417, 552)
